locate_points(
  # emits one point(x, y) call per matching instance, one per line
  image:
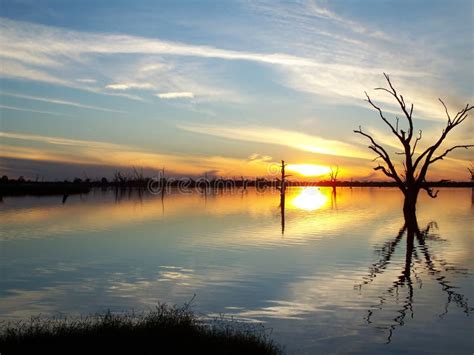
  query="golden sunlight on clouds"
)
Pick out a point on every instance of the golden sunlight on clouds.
point(75, 151)
point(309, 169)
point(116, 156)
point(293, 139)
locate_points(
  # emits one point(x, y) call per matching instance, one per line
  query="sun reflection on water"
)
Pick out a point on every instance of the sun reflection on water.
point(309, 199)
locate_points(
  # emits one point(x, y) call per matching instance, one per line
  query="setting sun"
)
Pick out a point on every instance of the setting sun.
point(308, 169)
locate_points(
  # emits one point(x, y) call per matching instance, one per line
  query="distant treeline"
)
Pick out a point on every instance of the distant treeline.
point(22, 186)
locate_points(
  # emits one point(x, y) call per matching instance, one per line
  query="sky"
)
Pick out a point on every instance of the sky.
point(226, 88)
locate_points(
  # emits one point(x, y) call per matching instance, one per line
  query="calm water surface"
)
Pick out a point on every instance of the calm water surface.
point(331, 279)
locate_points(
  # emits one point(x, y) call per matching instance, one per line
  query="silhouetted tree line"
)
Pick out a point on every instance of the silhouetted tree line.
point(137, 180)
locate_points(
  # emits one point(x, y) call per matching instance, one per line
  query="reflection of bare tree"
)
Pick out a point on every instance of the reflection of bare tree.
point(417, 255)
point(131, 193)
point(282, 213)
point(334, 198)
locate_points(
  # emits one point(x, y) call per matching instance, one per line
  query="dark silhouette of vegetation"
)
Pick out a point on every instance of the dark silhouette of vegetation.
point(123, 183)
point(21, 187)
point(282, 181)
point(415, 167)
point(282, 213)
point(282, 187)
point(333, 173)
point(417, 255)
point(164, 330)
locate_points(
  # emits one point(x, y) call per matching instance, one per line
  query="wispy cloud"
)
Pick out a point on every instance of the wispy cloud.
point(60, 141)
point(88, 152)
point(259, 157)
point(31, 110)
point(61, 102)
point(337, 58)
point(310, 74)
point(276, 136)
point(87, 81)
point(127, 86)
point(175, 95)
point(316, 9)
point(48, 42)
point(10, 68)
point(49, 53)
point(350, 57)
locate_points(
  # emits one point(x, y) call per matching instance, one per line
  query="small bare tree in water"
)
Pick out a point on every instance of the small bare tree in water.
point(333, 172)
point(413, 178)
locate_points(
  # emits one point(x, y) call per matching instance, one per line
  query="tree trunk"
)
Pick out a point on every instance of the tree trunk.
point(409, 205)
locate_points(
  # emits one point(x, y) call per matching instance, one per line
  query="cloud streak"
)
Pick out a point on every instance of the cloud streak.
point(323, 12)
point(87, 152)
point(175, 95)
point(49, 45)
point(31, 110)
point(127, 86)
point(61, 102)
point(276, 136)
point(47, 42)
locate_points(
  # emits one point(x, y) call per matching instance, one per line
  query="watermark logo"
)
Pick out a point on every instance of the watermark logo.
point(161, 184)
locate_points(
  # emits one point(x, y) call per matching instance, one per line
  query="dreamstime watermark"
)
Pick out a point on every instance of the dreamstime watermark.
point(159, 184)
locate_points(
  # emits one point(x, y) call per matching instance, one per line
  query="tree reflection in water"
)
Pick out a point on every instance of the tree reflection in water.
point(282, 213)
point(417, 254)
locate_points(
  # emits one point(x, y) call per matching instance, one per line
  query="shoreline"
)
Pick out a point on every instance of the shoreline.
point(70, 188)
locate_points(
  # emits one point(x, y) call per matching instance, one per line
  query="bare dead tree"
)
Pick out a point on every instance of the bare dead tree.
point(333, 172)
point(415, 166)
point(282, 186)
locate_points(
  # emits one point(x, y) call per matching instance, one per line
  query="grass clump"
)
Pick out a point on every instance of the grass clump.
point(164, 330)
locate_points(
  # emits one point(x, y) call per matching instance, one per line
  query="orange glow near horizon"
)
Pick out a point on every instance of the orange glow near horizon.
point(58, 150)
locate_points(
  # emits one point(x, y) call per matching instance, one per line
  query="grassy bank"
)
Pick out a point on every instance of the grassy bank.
point(165, 330)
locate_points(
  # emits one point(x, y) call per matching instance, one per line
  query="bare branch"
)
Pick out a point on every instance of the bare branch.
point(401, 102)
point(382, 153)
point(416, 141)
point(440, 157)
point(384, 170)
point(429, 191)
point(428, 153)
point(446, 110)
point(394, 131)
point(333, 173)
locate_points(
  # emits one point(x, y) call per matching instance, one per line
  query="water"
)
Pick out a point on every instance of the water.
point(333, 281)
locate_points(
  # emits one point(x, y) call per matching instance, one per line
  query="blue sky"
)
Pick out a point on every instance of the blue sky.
point(223, 87)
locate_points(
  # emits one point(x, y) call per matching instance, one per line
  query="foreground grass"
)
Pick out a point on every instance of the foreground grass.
point(165, 330)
